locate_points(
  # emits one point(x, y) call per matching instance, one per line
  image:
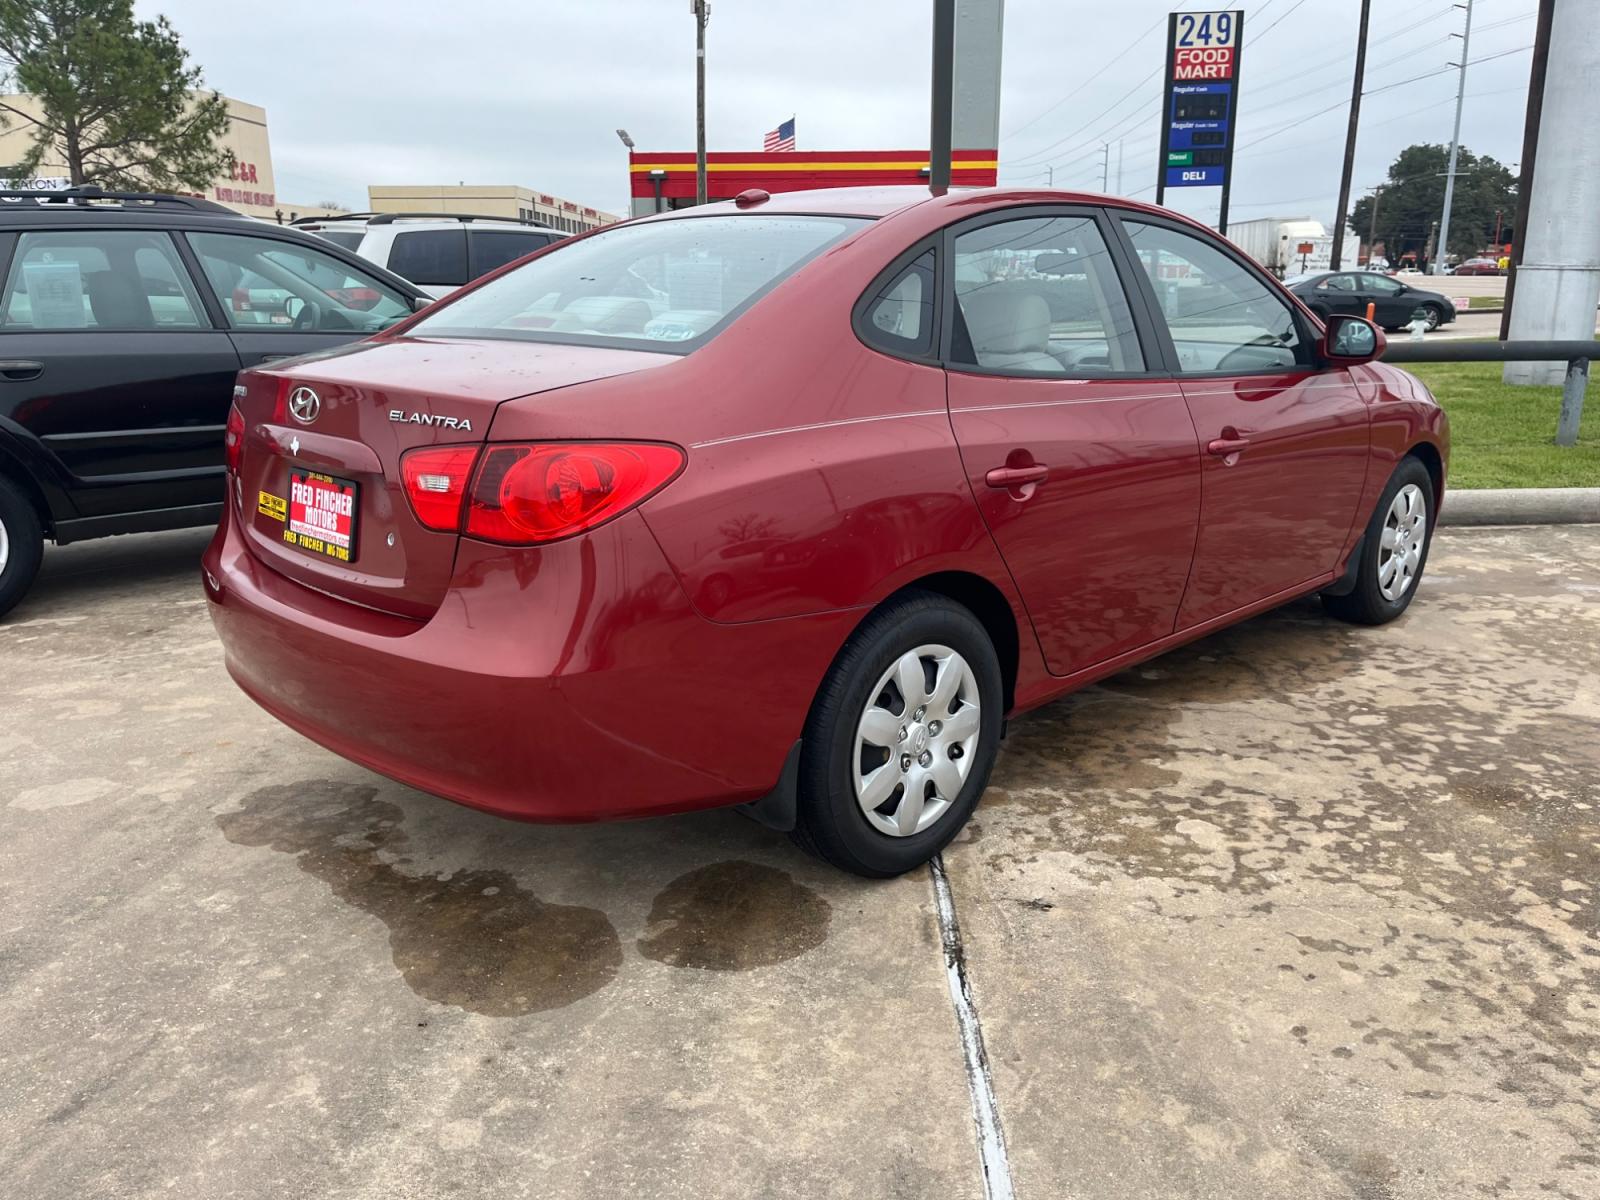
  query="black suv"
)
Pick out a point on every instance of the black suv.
point(124, 320)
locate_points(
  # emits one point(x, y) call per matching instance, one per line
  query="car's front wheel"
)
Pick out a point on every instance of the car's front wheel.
point(1393, 551)
point(21, 545)
point(901, 738)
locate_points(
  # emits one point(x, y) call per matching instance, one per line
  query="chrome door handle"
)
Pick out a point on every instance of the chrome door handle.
point(20, 369)
point(1013, 477)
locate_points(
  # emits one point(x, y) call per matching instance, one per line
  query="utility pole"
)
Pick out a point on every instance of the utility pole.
point(1530, 152)
point(1105, 167)
point(1372, 227)
point(1119, 166)
point(702, 13)
point(1342, 214)
point(1427, 249)
point(1455, 147)
point(943, 106)
point(1049, 175)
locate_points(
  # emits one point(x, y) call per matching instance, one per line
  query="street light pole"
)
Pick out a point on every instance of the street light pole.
point(1455, 147)
point(1342, 214)
point(943, 100)
point(702, 13)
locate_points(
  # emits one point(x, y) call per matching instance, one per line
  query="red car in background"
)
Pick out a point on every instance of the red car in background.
point(789, 502)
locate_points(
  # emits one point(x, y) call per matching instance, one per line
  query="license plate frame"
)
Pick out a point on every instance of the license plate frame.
point(317, 521)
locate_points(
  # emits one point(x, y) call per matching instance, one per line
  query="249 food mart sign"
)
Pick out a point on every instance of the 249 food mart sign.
point(1198, 113)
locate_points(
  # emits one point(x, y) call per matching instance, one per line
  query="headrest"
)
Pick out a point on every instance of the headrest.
point(1003, 320)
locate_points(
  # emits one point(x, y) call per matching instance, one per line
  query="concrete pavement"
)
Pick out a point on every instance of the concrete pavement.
point(1300, 910)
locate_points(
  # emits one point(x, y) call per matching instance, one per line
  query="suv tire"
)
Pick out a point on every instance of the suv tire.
point(21, 544)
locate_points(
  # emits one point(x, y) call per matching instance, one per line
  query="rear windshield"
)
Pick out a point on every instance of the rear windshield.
point(661, 285)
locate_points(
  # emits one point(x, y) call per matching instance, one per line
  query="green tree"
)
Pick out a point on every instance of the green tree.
point(117, 100)
point(1413, 199)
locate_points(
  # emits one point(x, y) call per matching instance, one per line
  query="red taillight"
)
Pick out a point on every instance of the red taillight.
point(233, 438)
point(523, 494)
point(435, 482)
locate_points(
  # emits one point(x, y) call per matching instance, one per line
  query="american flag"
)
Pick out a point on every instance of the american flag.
point(781, 138)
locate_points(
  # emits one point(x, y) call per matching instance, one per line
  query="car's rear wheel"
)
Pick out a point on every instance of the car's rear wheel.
point(21, 545)
point(1394, 550)
point(901, 738)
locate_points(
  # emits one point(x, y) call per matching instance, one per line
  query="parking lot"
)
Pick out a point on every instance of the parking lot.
point(1301, 910)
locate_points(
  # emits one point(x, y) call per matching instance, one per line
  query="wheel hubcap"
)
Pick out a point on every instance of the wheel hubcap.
point(1405, 530)
point(1427, 315)
point(916, 740)
point(5, 547)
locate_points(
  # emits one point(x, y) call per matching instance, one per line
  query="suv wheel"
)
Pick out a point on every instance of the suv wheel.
point(21, 545)
point(901, 738)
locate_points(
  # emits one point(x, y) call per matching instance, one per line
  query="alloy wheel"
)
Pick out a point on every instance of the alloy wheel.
point(1427, 314)
point(5, 547)
point(1405, 529)
point(915, 741)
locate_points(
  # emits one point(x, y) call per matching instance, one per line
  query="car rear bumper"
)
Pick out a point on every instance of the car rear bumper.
point(570, 683)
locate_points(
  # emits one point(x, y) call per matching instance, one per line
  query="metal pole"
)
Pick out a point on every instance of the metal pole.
point(1530, 152)
point(1105, 167)
point(1119, 166)
point(1455, 147)
point(1049, 176)
point(1372, 229)
point(1341, 215)
point(943, 105)
point(702, 13)
point(1577, 382)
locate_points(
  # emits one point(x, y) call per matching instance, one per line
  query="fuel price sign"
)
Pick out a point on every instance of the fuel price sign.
point(1200, 101)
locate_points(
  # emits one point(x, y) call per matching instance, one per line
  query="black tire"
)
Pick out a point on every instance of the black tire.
point(1366, 604)
point(23, 542)
point(830, 821)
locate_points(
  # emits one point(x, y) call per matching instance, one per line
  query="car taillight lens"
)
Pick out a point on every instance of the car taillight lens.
point(522, 494)
point(525, 494)
point(233, 439)
point(435, 483)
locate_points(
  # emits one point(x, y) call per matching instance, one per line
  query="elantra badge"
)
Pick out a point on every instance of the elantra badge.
point(419, 418)
point(304, 405)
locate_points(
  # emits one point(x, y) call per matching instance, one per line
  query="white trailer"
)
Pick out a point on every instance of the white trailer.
point(1289, 246)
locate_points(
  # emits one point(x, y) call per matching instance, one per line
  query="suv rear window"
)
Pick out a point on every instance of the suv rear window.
point(659, 285)
point(491, 248)
point(436, 257)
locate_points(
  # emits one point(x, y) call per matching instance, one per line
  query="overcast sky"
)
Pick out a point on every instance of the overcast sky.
point(398, 91)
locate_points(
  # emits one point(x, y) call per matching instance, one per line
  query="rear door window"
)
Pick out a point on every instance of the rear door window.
point(430, 257)
point(121, 279)
point(1040, 296)
point(488, 249)
point(899, 317)
point(266, 283)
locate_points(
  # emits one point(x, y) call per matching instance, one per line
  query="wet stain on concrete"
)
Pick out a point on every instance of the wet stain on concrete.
point(734, 916)
point(475, 939)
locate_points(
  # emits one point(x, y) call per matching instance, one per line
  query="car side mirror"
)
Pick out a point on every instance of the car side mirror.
point(1348, 340)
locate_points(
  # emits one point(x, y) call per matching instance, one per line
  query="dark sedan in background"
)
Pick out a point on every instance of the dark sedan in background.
point(1396, 304)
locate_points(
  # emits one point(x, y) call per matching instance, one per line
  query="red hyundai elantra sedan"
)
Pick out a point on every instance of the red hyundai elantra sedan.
point(789, 502)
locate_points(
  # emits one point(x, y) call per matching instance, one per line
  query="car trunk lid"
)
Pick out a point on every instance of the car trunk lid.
point(319, 484)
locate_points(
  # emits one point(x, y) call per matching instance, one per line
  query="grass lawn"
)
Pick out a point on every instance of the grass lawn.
point(1502, 436)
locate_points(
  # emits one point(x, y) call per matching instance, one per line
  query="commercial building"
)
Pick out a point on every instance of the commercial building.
point(662, 181)
point(248, 187)
point(519, 203)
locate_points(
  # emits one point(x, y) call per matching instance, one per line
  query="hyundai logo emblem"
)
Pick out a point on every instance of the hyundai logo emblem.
point(304, 405)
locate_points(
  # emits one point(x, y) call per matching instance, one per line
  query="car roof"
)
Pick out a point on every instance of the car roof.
point(885, 201)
